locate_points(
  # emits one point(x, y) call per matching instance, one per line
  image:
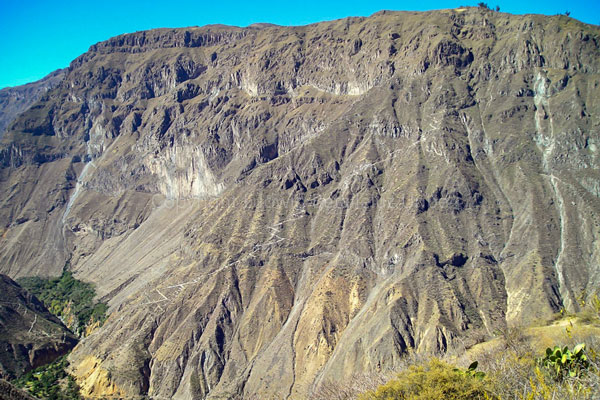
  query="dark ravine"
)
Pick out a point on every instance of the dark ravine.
point(266, 208)
point(11, 392)
point(29, 335)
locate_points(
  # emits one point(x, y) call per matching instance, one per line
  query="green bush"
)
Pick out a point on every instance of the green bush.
point(521, 374)
point(434, 380)
point(518, 372)
point(50, 381)
point(471, 371)
point(69, 299)
point(563, 362)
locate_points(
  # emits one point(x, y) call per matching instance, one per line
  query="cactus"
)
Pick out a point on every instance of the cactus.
point(471, 371)
point(565, 362)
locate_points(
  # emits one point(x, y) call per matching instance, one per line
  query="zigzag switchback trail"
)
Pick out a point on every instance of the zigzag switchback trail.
point(267, 208)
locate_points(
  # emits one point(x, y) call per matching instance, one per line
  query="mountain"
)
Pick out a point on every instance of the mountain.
point(15, 100)
point(10, 392)
point(267, 208)
point(29, 335)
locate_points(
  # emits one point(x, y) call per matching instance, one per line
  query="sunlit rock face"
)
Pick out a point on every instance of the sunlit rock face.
point(267, 208)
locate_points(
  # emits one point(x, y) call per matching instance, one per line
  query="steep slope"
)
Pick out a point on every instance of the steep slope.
point(264, 208)
point(10, 392)
point(15, 100)
point(29, 335)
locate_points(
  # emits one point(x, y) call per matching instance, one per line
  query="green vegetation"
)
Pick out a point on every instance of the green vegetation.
point(471, 371)
point(73, 302)
point(434, 380)
point(512, 374)
point(512, 365)
point(68, 298)
point(565, 362)
point(50, 381)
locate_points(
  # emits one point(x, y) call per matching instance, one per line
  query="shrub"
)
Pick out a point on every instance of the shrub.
point(517, 375)
point(590, 308)
point(513, 337)
point(69, 299)
point(563, 362)
point(471, 371)
point(50, 381)
point(433, 380)
point(514, 370)
point(359, 383)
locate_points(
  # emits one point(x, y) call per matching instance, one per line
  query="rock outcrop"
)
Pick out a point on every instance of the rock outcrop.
point(29, 335)
point(265, 208)
point(11, 392)
point(15, 100)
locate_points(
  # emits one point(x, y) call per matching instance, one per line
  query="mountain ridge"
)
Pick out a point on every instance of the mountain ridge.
point(30, 335)
point(15, 100)
point(302, 203)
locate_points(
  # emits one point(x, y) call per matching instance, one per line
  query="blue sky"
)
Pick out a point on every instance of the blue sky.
point(37, 37)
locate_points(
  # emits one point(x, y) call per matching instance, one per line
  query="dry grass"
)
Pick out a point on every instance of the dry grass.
point(361, 383)
point(332, 390)
point(433, 380)
point(517, 375)
point(510, 362)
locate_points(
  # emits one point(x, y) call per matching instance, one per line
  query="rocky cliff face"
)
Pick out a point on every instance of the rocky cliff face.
point(29, 335)
point(15, 100)
point(11, 392)
point(269, 207)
